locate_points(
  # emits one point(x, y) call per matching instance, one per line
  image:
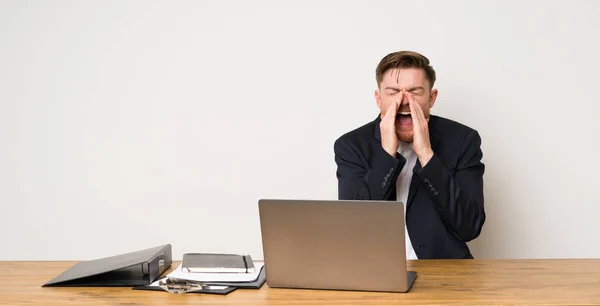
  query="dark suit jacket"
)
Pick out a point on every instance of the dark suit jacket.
point(445, 200)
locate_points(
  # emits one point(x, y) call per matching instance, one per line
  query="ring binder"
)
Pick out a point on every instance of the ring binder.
point(130, 269)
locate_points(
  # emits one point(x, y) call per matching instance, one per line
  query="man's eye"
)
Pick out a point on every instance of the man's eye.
point(392, 93)
point(418, 93)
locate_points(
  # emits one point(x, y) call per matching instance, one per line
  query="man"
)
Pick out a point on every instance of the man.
point(431, 164)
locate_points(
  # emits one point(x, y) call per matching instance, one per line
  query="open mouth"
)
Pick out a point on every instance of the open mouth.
point(404, 119)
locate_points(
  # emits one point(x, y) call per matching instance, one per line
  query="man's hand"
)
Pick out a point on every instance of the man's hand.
point(421, 143)
point(389, 139)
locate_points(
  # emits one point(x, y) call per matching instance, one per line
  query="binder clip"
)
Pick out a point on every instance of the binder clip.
point(179, 286)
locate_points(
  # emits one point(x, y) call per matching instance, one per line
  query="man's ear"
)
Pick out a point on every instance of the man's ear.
point(433, 97)
point(378, 99)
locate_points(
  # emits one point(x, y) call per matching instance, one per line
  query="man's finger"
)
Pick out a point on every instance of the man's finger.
point(391, 112)
point(398, 102)
point(421, 113)
point(418, 110)
point(414, 113)
point(420, 116)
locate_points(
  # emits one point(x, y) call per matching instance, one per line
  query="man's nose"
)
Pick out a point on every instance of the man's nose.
point(404, 97)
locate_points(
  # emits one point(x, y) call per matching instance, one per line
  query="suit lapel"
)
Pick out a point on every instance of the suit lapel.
point(415, 182)
point(376, 130)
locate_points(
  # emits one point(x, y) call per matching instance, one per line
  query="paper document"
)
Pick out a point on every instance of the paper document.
point(217, 277)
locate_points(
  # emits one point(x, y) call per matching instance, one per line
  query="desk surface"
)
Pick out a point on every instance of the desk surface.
point(554, 281)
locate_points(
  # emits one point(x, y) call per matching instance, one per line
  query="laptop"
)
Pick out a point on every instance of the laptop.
point(335, 245)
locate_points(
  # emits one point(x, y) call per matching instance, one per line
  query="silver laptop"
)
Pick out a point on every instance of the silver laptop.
point(338, 245)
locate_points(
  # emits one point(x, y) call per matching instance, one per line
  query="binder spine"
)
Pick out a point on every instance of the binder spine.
point(160, 263)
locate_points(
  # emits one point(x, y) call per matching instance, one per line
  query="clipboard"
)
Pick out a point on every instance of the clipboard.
point(208, 287)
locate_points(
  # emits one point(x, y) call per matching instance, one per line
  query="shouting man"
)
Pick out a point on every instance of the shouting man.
point(429, 163)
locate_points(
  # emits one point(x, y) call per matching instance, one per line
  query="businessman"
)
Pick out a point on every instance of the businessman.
point(431, 164)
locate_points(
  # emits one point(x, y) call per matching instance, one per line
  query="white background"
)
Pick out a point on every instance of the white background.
point(129, 124)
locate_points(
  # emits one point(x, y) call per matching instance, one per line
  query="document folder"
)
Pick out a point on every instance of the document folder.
point(130, 269)
point(214, 287)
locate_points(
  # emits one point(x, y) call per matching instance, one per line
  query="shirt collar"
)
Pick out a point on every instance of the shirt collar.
point(405, 147)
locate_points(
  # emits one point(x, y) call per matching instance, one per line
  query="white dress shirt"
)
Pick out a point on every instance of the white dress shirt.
point(402, 187)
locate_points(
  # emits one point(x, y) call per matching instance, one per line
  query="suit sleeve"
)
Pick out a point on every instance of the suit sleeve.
point(361, 179)
point(458, 196)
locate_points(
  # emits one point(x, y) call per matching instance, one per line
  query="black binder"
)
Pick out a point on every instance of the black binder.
point(130, 269)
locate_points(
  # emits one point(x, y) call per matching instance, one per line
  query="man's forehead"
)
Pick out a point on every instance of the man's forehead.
point(405, 77)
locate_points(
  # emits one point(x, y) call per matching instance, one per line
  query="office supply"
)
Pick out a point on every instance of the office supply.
point(131, 269)
point(344, 245)
point(441, 282)
point(217, 263)
point(215, 278)
point(176, 285)
point(182, 286)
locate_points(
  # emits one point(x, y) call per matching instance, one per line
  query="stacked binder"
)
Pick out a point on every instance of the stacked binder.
point(142, 270)
point(211, 273)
